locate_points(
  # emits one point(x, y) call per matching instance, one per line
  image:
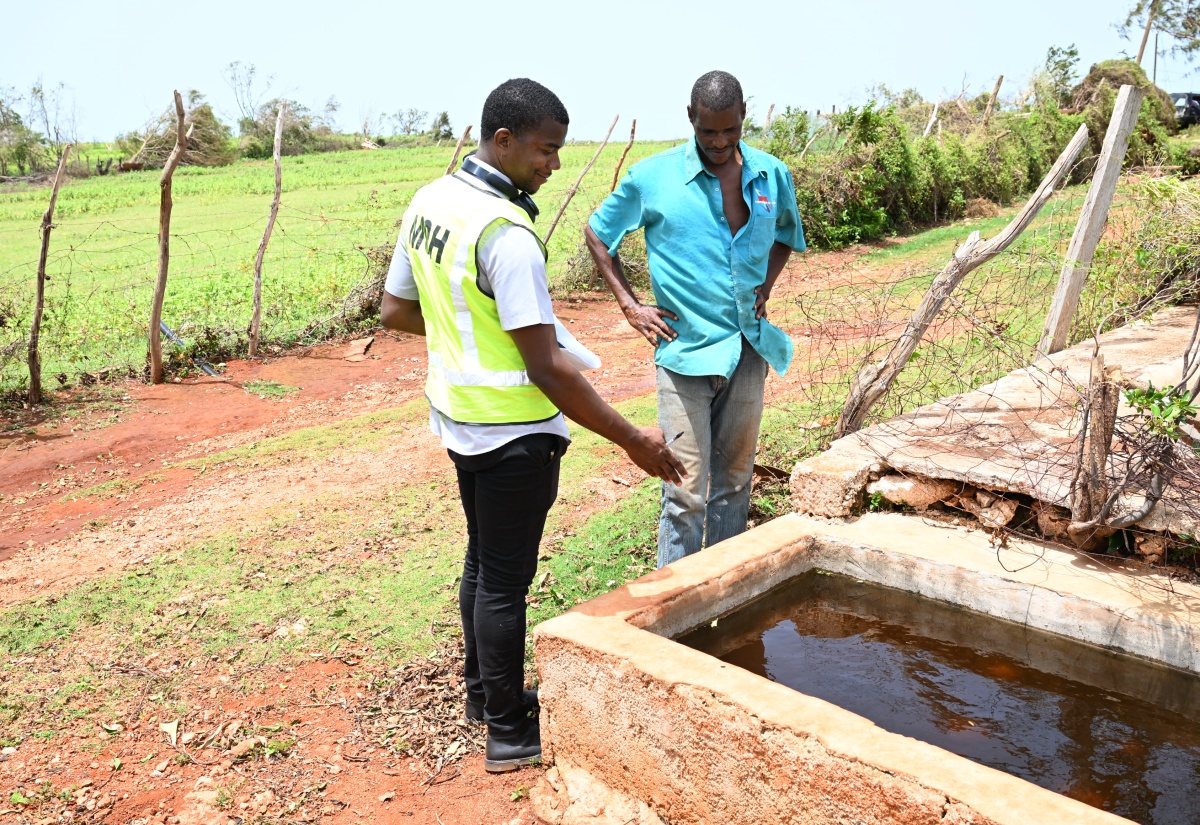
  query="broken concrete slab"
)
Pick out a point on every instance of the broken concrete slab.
point(917, 492)
point(1018, 434)
point(831, 484)
point(993, 511)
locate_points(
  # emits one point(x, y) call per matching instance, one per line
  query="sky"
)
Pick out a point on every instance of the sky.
point(635, 59)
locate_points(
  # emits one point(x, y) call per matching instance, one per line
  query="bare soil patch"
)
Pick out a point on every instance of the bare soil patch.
point(101, 492)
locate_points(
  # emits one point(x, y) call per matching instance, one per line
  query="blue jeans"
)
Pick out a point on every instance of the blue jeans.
point(719, 418)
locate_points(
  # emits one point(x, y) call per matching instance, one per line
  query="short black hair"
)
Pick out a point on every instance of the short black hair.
point(716, 91)
point(519, 105)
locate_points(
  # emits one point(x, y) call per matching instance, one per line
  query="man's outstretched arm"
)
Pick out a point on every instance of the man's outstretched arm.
point(571, 393)
point(645, 318)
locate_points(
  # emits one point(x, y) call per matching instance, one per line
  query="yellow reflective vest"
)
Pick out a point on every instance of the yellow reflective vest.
point(476, 373)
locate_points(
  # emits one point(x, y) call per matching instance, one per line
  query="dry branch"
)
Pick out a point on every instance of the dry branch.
point(458, 149)
point(770, 111)
point(575, 186)
point(874, 380)
point(932, 120)
point(811, 141)
point(624, 154)
point(991, 104)
point(35, 329)
point(164, 240)
point(1092, 218)
point(256, 319)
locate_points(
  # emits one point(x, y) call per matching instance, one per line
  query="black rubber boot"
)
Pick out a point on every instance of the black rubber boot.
point(509, 755)
point(474, 712)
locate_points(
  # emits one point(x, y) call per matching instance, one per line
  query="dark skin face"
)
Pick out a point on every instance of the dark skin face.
point(717, 136)
point(717, 133)
point(528, 159)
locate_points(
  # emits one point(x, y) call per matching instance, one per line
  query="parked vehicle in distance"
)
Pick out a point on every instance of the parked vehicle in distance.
point(1187, 108)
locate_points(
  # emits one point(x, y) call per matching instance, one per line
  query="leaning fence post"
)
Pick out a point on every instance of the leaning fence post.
point(873, 380)
point(1091, 221)
point(579, 180)
point(256, 320)
point(35, 329)
point(164, 239)
point(458, 149)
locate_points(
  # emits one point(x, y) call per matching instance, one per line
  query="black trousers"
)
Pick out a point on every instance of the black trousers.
point(506, 494)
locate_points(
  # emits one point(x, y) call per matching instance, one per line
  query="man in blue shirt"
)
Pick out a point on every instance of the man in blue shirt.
point(720, 222)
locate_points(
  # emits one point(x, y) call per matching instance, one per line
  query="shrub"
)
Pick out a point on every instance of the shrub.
point(875, 175)
point(1096, 95)
point(300, 133)
point(1187, 158)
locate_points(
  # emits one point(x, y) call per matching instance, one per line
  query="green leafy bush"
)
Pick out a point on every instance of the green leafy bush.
point(867, 173)
point(872, 171)
point(1096, 95)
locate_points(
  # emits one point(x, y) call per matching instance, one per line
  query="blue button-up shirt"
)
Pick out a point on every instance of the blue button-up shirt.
point(698, 270)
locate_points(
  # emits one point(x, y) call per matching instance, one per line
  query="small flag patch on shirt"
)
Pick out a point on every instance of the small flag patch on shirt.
point(765, 203)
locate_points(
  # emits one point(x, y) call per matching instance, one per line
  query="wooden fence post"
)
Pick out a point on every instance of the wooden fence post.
point(624, 154)
point(1091, 221)
point(616, 178)
point(35, 328)
point(579, 180)
point(1089, 492)
point(256, 319)
point(1152, 7)
point(164, 239)
point(458, 149)
point(873, 380)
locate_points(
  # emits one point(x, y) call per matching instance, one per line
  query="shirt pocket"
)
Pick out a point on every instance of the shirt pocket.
point(762, 229)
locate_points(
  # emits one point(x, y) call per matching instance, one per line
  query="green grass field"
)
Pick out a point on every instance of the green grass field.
point(103, 251)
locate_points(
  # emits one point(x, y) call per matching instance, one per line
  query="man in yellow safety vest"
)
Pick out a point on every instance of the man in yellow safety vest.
point(469, 274)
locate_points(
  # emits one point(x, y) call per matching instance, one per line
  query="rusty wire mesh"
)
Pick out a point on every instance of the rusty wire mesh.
point(846, 314)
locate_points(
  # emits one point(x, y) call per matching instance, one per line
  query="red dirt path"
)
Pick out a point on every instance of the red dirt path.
point(49, 543)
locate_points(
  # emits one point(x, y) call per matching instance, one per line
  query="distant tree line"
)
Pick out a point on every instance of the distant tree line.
point(36, 126)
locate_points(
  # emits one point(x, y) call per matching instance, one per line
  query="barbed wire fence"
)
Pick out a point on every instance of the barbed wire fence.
point(977, 402)
point(572, 270)
point(100, 285)
point(324, 275)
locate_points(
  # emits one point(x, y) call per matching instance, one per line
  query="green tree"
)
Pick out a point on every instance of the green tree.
point(1178, 19)
point(1060, 70)
point(20, 146)
point(441, 129)
point(408, 121)
point(299, 130)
